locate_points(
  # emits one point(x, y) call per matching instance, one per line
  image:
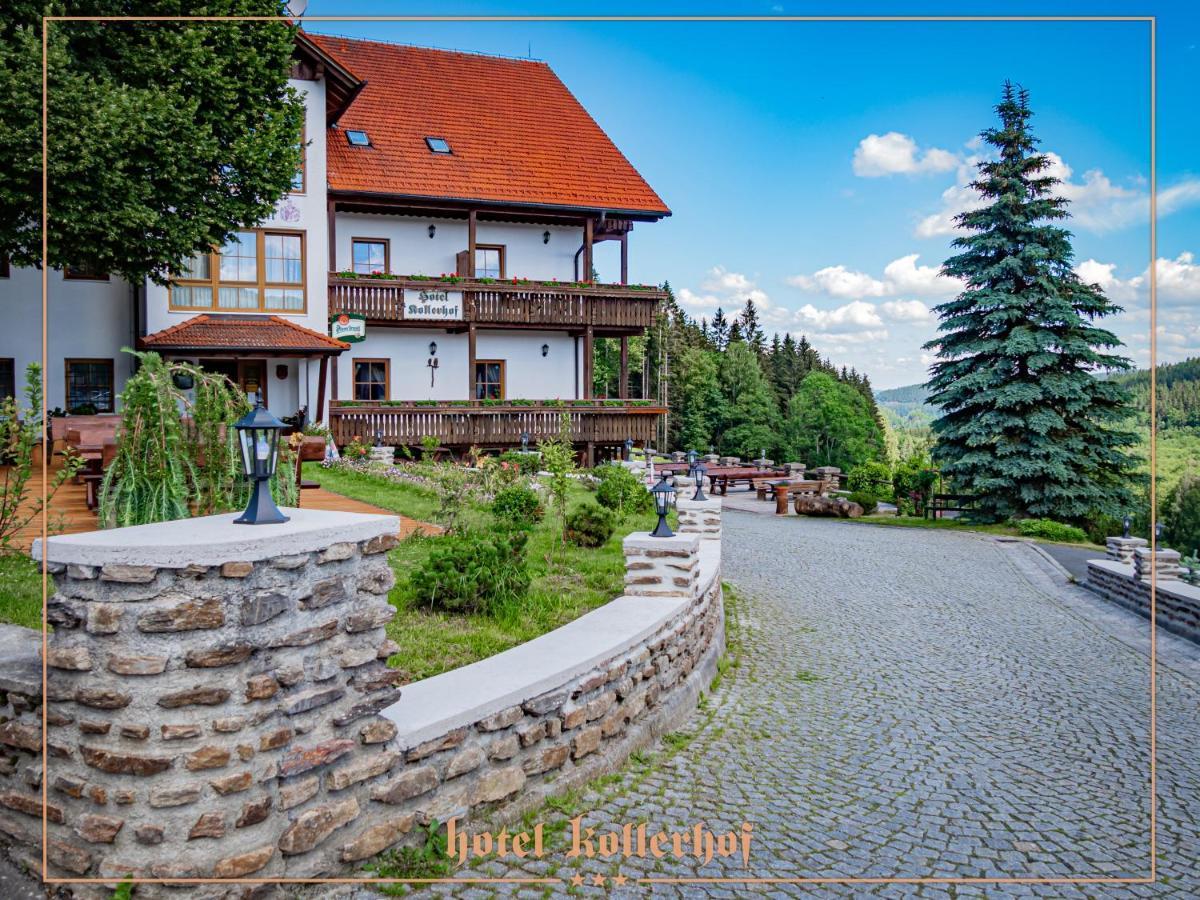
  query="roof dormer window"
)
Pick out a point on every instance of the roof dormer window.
point(437, 145)
point(357, 138)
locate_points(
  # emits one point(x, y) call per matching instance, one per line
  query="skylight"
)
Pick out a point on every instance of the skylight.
point(358, 138)
point(437, 145)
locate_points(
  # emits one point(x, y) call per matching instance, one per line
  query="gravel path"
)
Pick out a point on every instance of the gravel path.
point(918, 704)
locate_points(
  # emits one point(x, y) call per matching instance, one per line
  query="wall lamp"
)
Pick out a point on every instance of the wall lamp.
point(545, 349)
point(433, 348)
point(432, 230)
point(545, 237)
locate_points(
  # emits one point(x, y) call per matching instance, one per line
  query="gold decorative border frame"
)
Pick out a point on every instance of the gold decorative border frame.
point(1152, 21)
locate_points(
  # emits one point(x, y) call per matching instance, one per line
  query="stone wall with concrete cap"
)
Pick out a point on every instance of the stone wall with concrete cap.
point(702, 517)
point(213, 693)
point(1177, 605)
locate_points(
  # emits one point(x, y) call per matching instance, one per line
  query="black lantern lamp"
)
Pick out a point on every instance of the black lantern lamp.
point(700, 471)
point(1126, 524)
point(691, 458)
point(432, 230)
point(524, 441)
point(379, 439)
point(664, 496)
point(1158, 530)
point(258, 436)
point(628, 449)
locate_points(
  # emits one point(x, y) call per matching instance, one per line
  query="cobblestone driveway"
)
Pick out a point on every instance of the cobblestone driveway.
point(917, 704)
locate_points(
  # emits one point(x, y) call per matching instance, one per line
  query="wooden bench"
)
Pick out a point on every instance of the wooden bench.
point(940, 503)
point(784, 490)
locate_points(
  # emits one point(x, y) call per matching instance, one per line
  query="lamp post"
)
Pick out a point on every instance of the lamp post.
point(691, 458)
point(1126, 524)
point(524, 441)
point(701, 469)
point(663, 494)
point(628, 449)
point(258, 436)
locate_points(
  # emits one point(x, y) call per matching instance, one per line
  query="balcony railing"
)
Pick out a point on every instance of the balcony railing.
point(467, 423)
point(533, 303)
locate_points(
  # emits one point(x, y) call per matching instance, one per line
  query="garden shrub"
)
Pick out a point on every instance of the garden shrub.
point(1180, 513)
point(866, 499)
point(622, 491)
point(472, 572)
point(527, 463)
point(1049, 530)
point(1099, 527)
point(518, 505)
point(590, 525)
point(873, 478)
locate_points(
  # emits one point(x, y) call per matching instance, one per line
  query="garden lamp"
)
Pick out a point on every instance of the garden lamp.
point(379, 439)
point(258, 436)
point(663, 495)
point(628, 449)
point(524, 441)
point(701, 469)
point(691, 458)
point(1126, 524)
point(1158, 530)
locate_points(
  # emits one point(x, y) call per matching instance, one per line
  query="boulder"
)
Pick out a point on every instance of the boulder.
point(814, 505)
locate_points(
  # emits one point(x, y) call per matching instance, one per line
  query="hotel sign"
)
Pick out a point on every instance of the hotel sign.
point(434, 304)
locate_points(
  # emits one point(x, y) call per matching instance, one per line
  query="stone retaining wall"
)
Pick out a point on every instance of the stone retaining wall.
point(226, 717)
point(1177, 605)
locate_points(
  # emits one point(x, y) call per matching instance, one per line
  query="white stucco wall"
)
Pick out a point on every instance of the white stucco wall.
point(528, 374)
point(86, 320)
point(414, 252)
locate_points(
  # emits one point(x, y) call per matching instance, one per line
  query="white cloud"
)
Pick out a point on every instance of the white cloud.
point(900, 276)
point(1178, 280)
point(878, 155)
point(906, 311)
point(691, 300)
point(856, 314)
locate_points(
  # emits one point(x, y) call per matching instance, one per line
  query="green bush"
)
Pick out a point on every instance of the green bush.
point(1180, 513)
point(473, 572)
point(867, 500)
point(874, 478)
point(518, 505)
point(527, 463)
point(622, 491)
point(1049, 530)
point(1099, 527)
point(590, 525)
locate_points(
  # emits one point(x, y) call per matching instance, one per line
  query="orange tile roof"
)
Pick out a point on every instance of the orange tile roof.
point(518, 135)
point(233, 332)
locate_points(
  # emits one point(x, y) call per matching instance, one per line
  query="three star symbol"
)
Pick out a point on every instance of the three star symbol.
point(598, 880)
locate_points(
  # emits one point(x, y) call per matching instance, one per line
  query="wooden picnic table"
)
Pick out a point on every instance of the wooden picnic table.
point(723, 476)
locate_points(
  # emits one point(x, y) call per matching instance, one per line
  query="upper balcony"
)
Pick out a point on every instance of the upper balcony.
point(458, 300)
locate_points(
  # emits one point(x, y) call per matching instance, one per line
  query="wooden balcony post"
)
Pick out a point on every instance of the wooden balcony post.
point(332, 237)
point(322, 375)
point(589, 351)
point(623, 386)
point(587, 250)
point(472, 222)
point(471, 361)
point(624, 258)
point(333, 378)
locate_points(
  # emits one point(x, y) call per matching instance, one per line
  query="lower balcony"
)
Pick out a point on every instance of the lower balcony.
point(496, 424)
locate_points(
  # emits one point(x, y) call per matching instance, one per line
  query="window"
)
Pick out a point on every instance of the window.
point(489, 379)
point(8, 378)
point(89, 385)
point(84, 273)
point(298, 178)
point(358, 138)
point(437, 145)
point(369, 255)
point(370, 379)
point(489, 261)
point(258, 271)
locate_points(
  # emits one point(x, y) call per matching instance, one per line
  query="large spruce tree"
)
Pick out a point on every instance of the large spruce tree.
point(1025, 422)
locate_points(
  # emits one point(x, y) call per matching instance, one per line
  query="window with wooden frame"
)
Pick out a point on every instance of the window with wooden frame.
point(369, 255)
point(298, 180)
point(8, 378)
point(89, 385)
point(371, 379)
point(489, 379)
point(256, 271)
point(83, 273)
point(489, 261)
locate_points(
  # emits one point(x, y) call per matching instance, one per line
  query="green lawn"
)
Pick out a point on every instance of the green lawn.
point(568, 581)
point(20, 591)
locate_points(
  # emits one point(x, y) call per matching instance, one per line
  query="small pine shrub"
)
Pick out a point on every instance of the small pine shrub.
point(866, 499)
point(590, 525)
point(518, 505)
point(622, 491)
point(1049, 530)
point(471, 572)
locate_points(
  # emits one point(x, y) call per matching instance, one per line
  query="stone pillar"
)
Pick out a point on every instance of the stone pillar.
point(662, 567)
point(204, 677)
point(383, 454)
point(702, 517)
point(1165, 564)
point(795, 469)
point(1121, 548)
point(710, 459)
point(829, 475)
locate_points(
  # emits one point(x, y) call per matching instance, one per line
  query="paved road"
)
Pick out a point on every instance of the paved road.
point(920, 704)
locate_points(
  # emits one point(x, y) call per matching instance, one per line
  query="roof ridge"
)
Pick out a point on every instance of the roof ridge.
point(537, 60)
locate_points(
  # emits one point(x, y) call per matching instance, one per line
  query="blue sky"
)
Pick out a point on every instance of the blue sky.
point(813, 166)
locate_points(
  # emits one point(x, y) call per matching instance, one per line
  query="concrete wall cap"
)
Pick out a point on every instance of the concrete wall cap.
point(641, 540)
point(212, 540)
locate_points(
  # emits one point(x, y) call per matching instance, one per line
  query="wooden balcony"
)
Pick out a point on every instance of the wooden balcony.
point(614, 308)
point(488, 426)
